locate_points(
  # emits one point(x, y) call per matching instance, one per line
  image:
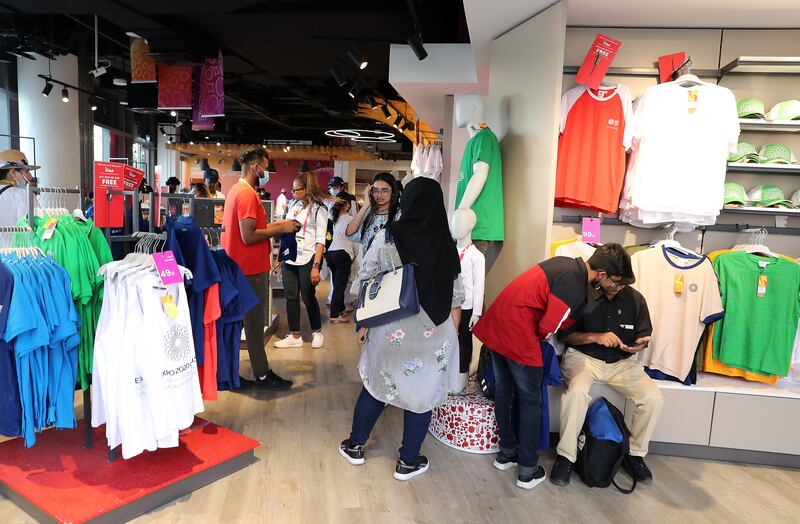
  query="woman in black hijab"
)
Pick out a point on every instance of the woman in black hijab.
point(410, 363)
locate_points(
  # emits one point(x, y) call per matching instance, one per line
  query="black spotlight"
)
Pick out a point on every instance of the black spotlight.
point(338, 76)
point(204, 165)
point(386, 112)
point(355, 89)
point(371, 101)
point(236, 166)
point(396, 123)
point(64, 95)
point(271, 167)
point(410, 126)
point(47, 88)
point(303, 166)
point(358, 59)
point(416, 45)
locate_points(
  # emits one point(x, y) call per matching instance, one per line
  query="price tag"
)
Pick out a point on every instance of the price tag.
point(590, 230)
point(218, 214)
point(167, 268)
point(49, 228)
point(762, 286)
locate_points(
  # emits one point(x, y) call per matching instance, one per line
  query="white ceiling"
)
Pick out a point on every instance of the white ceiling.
point(685, 13)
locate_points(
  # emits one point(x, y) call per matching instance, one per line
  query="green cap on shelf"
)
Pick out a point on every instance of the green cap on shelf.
point(768, 195)
point(786, 110)
point(745, 152)
point(750, 108)
point(777, 154)
point(734, 194)
point(796, 198)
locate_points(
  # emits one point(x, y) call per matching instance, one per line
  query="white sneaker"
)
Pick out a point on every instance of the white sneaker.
point(317, 339)
point(289, 342)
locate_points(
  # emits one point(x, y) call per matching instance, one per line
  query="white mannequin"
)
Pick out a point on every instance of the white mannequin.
point(469, 113)
point(462, 224)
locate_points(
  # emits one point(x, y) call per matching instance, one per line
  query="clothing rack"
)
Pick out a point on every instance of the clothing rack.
point(726, 228)
point(34, 191)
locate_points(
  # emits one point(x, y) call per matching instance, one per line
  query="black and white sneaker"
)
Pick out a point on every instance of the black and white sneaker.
point(531, 481)
point(405, 471)
point(354, 454)
point(503, 462)
point(273, 382)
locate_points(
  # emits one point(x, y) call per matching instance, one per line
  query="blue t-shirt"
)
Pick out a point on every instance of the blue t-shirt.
point(185, 239)
point(10, 408)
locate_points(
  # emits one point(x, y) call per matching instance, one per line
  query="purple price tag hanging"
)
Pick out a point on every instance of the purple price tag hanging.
point(167, 268)
point(590, 230)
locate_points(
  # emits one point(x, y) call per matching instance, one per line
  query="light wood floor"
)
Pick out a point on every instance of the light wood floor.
point(300, 477)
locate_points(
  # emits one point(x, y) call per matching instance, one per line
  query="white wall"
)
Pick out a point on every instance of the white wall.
point(54, 124)
point(523, 108)
point(168, 159)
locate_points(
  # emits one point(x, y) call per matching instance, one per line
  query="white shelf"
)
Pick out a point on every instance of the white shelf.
point(769, 65)
point(771, 169)
point(769, 126)
point(765, 211)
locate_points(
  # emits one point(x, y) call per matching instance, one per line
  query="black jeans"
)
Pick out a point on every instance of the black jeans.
point(339, 262)
point(464, 341)
point(511, 376)
point(415, 425)
point(297, 283)
point(254, 321)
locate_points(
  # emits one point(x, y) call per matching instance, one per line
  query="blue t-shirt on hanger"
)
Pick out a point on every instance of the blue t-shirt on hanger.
point(10, 408)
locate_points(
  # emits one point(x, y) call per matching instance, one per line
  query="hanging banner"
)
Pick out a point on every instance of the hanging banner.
point(199, 123)
point(143, 66)
point(131, 178)
point(668, 64)
point(212, 88)
point(108, 213)
point(174, 86)
point(597, 61)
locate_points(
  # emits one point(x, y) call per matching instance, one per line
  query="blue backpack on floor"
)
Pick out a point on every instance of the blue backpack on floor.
point(602, 446)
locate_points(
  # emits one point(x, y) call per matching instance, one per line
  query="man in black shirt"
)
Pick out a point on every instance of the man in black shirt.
point(615, 326)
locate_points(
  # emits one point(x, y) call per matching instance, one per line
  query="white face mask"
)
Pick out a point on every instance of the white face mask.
point(333, 192)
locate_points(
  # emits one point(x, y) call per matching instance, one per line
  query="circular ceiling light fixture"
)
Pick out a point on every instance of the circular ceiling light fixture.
point(362, 135)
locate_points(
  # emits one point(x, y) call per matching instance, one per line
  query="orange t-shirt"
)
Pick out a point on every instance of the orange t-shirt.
point(591, 148)
point(243, 202)
point(208, 371)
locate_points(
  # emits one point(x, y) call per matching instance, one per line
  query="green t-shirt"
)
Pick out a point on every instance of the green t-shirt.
point(757, 333)
point(489, 205)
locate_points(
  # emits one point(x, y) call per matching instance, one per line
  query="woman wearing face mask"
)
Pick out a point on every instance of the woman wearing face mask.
point(301, 275)
point(413, 362)
point(15, 175)
point(384, 208)
point(340, 257)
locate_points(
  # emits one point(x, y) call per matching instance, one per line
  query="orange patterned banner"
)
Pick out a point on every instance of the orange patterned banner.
point(143, 66)
point(174, 86)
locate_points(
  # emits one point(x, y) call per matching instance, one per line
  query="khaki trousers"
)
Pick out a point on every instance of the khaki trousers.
point(627, 377)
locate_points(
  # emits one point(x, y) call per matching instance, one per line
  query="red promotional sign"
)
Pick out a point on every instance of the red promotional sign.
point(212, 88)
point(668, 64)
point(132, 178)
point(597, 61)
point(199, 123)
point(108, 213)
point(174, 86)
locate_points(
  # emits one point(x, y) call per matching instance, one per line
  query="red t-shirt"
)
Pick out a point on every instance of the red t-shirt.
point(243, 202)
point(533, 306)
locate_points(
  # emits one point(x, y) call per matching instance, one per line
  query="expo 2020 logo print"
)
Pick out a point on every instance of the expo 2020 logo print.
point(176, 343)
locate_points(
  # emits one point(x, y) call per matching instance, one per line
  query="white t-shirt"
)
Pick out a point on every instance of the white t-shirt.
point(313, 230)
point(682, 138)
point(341, 242)
point(13, 205)
point(280, 206)
point(575, 250)
point(473, 278)
point(678, 318)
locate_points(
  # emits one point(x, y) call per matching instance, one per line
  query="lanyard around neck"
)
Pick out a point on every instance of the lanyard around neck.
point(464, 252)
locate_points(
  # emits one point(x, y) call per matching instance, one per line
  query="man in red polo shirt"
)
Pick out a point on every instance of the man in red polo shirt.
point(535, 305)
point(246, 240)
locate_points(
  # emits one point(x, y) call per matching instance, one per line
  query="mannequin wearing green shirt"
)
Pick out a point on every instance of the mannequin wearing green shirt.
point(480, 178)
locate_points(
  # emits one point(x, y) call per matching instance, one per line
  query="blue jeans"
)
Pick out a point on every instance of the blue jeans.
point(415, 425)
point(526, 381)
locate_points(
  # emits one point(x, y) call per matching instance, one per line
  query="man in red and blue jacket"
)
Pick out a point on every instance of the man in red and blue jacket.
point(538, 303)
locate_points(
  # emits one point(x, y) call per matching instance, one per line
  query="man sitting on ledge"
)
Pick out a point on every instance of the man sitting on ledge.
point(615, 326)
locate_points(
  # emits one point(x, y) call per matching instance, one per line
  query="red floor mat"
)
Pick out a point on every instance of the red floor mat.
point(73, 484)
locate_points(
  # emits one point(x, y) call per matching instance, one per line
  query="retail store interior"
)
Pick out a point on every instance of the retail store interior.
point(228, 230)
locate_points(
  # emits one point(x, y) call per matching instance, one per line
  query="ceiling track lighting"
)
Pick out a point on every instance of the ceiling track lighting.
point(409, 126)
point(397, 121)
point(236, 166)
point(271, 167)
point(386, 112)
point(355, 89)
point(47, 88)
point(173, 113)
point(358, 59)
point(415, 42)
point(371, 101)
point(64, 95)
point(341, 80)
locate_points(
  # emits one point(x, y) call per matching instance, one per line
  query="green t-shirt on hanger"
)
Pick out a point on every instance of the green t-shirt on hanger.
point(489, 205)
point(761, 297)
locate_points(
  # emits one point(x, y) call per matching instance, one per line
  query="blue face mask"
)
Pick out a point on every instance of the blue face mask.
point(263, 178)
point(333, 192)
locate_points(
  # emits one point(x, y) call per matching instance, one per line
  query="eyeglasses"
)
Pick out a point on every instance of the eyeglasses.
point(379, 191)
point(616, 283)
point(297, 189)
